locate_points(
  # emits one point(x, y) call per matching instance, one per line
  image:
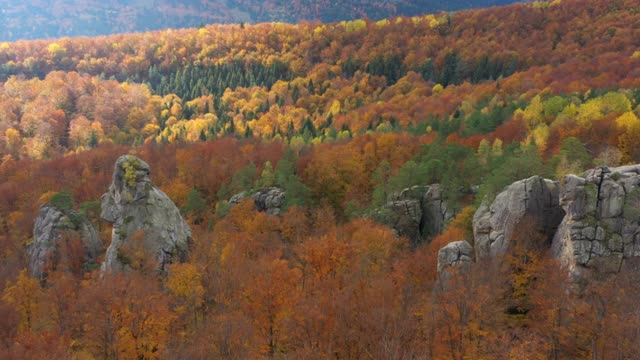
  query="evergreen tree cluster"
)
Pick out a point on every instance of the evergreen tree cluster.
point(453, 71)
point(192, 81)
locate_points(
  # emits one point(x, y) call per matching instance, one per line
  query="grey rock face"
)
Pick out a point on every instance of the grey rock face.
point(601, 227)
point(144, 219)
point(404, 217)
point(524, 207)
point(269, 200)
point(455, 254)
point(418, 213)
point(236, 199)
point(50, 229)
point(435, 212)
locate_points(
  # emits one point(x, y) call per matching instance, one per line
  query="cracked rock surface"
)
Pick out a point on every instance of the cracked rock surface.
point(435, 212)
point(54, 226)
point(269, 200)
point(146, 224)
point(418, 213)
point(404, 217)
point(602, 224)
point(524, 208)
point(455, 254)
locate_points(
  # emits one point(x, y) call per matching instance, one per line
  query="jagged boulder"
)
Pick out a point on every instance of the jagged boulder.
point(145, 221)
point(455, 254)
point(528, 208)
point(418, 213)
point(269, 200)
point(601, 227)
point(52, 227)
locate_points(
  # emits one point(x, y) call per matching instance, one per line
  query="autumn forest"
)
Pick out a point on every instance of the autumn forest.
point(341, 117)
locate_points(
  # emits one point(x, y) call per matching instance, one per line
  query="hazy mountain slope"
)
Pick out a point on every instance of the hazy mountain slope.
point(60, 18)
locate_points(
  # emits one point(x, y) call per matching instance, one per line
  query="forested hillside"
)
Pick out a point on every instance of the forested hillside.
point(470, 69)
point(346, 119)
point(69, 18)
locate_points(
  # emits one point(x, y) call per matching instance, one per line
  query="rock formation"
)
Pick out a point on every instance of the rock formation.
point(236, 199)
point(269, 200)
point(455, 254)
point(403, 213)
point(602, 224)
point(52, 227)
point(453, 258)
point(525, 208)
point(591, 222)
point(145, 221)
point(435, 212)
point(418, 213)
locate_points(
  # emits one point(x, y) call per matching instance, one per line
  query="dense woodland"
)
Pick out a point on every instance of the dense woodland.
point(339, 115)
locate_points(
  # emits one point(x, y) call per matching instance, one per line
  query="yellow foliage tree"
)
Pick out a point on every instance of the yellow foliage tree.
point(12, 140)
point(628, 142)
point(185, 284)
point(335, 108)
point(627, 120)
point(25, 295)
point(588, 112)
point(533, 114)
point(540, 136)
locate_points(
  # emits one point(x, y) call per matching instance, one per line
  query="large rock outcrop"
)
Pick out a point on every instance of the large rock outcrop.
point(454, 258)
point(270, 200)
point(418, 213)
point(435, 212)
point(404, 217)
point(147, 225)
point(455, 254)
point(58, 234)
point(527, 210)
point(601, 227)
